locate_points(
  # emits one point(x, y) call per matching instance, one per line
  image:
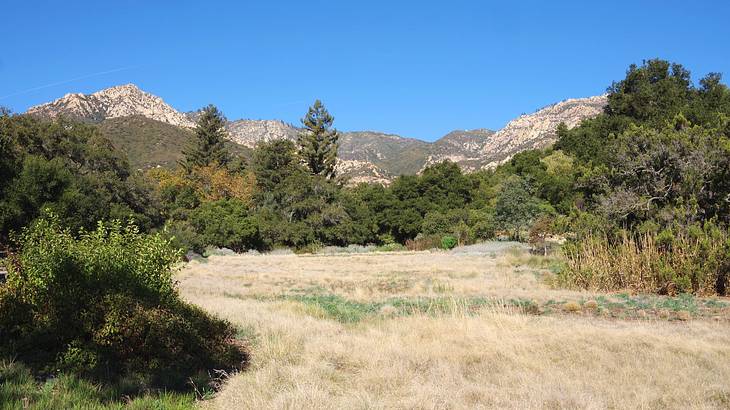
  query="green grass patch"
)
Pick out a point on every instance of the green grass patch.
point(20, 390)
point(683, 302)
point(343, 310)
point(337, 307)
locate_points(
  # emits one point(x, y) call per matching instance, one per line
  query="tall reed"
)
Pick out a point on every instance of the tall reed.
point(694, 260)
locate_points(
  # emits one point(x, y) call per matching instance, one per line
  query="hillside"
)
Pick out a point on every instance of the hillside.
point(462, 146)
point(537, 130)
point(153, 133)
point(149, 143)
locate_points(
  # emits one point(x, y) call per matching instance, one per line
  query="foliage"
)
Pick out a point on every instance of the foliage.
point(424, 243)
point(539, 233)
point(104, 306)
point(317, 142)
point(225, 223)
point(214, 183)
point(70, 168)
point(272, 163)
point(516, 206)
point(208, 144)
point(651, 170)
point(448, 242)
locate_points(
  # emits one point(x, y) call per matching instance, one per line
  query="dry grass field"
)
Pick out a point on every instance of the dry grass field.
point(455, 330)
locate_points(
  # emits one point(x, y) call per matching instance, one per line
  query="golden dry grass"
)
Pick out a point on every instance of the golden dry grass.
point(492, 357)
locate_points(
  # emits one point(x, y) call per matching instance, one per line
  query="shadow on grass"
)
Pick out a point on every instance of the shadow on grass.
point(19, 389)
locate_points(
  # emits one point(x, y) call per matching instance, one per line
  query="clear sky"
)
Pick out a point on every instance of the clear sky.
point(414, 68)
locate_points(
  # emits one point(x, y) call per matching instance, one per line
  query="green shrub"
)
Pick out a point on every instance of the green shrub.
point(226, 223)
point(481, 224)
point(391, 247)
point(448, 242)
point(104, 306)
point(435, 223)
point(182, 235)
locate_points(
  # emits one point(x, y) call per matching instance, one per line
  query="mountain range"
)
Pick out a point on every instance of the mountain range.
point(152, 133)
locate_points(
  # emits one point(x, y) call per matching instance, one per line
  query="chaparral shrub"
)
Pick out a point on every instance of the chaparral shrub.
point(104, 306)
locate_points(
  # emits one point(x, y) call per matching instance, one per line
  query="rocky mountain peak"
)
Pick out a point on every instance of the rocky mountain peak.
point(114, 102)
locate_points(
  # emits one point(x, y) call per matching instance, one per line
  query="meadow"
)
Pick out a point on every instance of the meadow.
point(476, 327)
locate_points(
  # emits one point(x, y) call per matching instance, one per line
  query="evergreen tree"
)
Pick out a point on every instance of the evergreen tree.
point(318, 141)
point(208, 145)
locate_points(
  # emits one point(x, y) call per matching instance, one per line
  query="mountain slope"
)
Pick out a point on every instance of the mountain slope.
point(153, 133)
point(149, 143)
point(250, 132)
point(461, 146)
point(537, 130)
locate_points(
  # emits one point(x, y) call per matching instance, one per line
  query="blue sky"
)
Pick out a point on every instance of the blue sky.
point(414, 68)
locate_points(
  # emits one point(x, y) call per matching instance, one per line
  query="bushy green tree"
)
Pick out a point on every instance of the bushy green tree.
point(273, 162)
point(70, 168)
point(208, 144)
point(318, 141)
point(516, 208)
point(294, 206)
point(226, 223)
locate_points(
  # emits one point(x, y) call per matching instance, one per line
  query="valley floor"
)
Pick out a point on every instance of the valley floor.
point(460, 329)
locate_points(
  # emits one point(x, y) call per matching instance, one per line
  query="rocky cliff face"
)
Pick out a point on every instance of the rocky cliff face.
point(365, 156)
point(537, 130)
point(115, 102)
point(462, 146)
point(250, 132)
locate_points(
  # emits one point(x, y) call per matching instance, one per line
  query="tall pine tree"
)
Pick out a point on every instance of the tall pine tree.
point(318, 142)
point(208, 145)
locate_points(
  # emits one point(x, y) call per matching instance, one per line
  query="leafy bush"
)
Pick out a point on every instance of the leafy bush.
point(391, 247)
point(435, 223)
point(448, 242)
point(481, 224)
point(182, 235)
point(226, 223)
point(104, 306)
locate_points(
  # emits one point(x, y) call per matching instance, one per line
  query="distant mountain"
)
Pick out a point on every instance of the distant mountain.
point(147, 142)
point(250, 132)
point(393, 154)
point(153, 133)
point(115, 102)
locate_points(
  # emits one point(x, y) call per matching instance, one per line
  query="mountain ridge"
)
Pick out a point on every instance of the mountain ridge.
point(365, 156)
